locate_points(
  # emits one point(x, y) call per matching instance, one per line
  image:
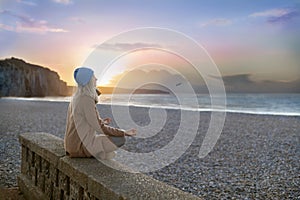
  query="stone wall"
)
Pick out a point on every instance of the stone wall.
point(46, 173)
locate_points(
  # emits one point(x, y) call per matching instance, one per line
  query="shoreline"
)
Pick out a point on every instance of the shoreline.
point(250, 112)
point(256, 156)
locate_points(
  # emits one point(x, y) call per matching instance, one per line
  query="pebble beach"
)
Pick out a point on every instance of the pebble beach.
point(256, 156)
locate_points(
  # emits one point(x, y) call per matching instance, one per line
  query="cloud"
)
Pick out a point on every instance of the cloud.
point(284, 18)
point(25, 23)
point(276, 15)
point(153, 79)
point(270, 13)
point(179, 82)
point(6, 27)
point(217, 22)
point(238, 83)
point(66, 2)
point(242, 83)
point(126, 46)
point(237, 79)
point(78, 20)
point(27, 2)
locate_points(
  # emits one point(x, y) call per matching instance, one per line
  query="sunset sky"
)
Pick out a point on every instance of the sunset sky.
point(259, 38)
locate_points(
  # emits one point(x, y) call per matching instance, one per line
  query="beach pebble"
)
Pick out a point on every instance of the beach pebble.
point(256, 156)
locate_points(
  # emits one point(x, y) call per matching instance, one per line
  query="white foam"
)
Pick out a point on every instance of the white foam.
point(170, 107)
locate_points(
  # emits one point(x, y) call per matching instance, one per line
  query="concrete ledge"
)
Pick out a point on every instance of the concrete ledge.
point(46, 173)
point(50, 146)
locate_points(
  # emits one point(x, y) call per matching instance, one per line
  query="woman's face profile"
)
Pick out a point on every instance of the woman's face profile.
point(95, 80)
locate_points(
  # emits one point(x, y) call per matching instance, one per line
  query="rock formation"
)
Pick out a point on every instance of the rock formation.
point(18, 78)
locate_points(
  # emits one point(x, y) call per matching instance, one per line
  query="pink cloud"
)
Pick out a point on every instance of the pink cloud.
point(6, 27)
point(27, 24)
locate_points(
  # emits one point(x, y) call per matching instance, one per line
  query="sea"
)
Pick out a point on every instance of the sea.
point(286, 104)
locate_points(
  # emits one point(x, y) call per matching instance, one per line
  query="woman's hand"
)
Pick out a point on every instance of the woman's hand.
point(130, 132)
point(107, 121)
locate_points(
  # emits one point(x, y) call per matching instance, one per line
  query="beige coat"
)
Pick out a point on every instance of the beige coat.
point(83, 121)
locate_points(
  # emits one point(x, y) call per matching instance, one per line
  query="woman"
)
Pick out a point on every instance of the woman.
point(83, 121)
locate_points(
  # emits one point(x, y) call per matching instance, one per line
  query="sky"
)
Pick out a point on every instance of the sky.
point(257, 39)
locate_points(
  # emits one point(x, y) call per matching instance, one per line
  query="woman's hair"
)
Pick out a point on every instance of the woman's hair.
point(88, 90)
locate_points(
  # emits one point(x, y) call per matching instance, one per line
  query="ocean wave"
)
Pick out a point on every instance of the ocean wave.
point(274, 106)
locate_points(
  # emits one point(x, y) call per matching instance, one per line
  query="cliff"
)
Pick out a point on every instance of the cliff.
point(18, 78)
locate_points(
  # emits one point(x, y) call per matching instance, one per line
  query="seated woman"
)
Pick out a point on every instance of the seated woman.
point(83, 122)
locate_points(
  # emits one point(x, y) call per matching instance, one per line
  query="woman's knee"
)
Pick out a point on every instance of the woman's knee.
point(118, 141)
